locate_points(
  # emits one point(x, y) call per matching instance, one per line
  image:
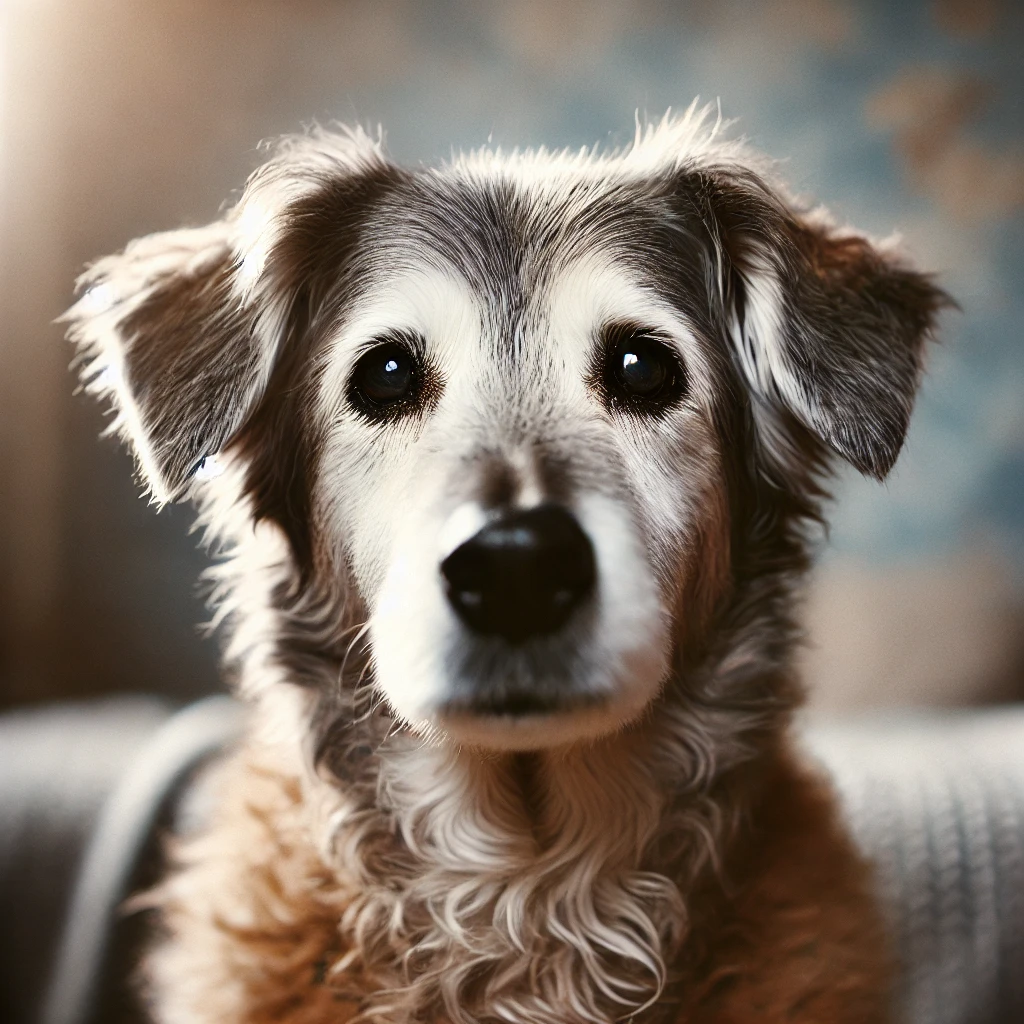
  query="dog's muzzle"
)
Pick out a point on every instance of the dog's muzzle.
point(522, 575)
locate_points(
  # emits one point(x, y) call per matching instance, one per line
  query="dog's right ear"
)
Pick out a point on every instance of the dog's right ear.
point(163, 333)
point(182, 329)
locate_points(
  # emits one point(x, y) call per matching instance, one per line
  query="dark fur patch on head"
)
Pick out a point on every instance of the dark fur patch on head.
point(315, 259)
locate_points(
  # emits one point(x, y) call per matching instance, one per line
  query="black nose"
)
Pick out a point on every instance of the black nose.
point(521, 575)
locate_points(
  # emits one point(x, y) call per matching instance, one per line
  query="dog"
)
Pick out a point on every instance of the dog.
point(513, 468)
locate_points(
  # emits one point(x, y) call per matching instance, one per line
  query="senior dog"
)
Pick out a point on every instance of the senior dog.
point(513, 467)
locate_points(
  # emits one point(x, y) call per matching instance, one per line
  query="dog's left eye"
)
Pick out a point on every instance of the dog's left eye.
point(385, 377)
point(641, 371)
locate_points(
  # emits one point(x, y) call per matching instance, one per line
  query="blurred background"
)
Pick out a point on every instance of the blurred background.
point(120, 118)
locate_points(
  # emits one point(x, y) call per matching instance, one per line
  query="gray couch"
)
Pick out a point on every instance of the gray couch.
point(85, 791)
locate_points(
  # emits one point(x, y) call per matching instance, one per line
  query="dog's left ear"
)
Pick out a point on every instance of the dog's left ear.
point(825, 321)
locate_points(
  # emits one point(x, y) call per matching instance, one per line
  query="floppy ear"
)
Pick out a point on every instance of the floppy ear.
point(162, 333)
point(182, 329)
point(826, 322)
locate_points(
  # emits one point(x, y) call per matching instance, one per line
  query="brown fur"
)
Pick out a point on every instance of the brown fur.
point(797, 936)
point(254, 908)
point(785, 929)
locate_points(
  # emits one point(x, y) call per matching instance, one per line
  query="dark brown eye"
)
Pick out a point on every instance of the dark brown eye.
point(641, 372)
point(386, 379)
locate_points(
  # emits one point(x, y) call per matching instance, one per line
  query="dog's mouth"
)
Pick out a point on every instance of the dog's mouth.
point(519, 704)
point(522, 719)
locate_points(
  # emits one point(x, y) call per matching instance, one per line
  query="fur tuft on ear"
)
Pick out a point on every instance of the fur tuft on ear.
point(182, 330)
point(825, 321)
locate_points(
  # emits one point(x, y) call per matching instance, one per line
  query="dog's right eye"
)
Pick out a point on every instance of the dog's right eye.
point(386, 379)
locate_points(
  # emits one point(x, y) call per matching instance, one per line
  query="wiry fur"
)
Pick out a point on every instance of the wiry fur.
point(660, 858)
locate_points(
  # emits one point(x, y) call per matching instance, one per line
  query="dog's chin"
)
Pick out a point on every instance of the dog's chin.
point(522, 723)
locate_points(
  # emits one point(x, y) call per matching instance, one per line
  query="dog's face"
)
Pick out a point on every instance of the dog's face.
point(519, 453)
point(530, 422)
point(519, 409)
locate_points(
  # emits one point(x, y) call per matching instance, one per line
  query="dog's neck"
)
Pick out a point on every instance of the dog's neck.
point(521, 881)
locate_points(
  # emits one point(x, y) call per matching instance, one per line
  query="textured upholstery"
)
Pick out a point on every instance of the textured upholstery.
point(936, 801)
point(90, 963)
point(58, 765)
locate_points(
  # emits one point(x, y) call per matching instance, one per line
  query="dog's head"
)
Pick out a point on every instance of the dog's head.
point(532, 413)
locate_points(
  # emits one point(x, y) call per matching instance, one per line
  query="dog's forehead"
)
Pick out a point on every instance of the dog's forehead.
point(459, 256)
point(510, 234)
point(496, 269)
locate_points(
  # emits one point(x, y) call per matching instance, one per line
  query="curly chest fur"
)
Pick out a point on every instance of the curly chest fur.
point(297, 905)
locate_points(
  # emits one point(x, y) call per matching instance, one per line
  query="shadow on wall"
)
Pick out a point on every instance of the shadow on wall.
point(122, 118)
